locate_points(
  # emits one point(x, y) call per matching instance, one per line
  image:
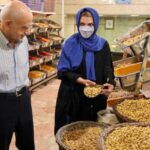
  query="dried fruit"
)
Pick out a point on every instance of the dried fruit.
point(129, 138)
point(82, 139)
point(92, 91)
point(135, 110)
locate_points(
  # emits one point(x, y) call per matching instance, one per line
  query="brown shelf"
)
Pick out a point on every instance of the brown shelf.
point(43, 31)
point(42, 82)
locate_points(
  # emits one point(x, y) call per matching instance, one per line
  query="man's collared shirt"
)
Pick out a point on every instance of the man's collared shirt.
point(14, 65)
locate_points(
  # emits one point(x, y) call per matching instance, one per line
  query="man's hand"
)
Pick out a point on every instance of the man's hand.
point(107, 89)
point(85, 81)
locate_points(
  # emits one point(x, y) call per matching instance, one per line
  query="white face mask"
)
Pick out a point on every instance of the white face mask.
point(86, 31)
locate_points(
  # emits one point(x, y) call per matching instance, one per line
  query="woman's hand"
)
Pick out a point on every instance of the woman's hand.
point(107, 89)
point(85, 81)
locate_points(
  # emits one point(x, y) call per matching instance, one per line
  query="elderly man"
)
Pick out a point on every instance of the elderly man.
point(15, 102)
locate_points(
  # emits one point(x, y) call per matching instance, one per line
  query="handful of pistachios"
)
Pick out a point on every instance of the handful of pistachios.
point(92, 90)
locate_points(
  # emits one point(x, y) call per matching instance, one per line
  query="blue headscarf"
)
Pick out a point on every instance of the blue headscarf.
point(72, 50)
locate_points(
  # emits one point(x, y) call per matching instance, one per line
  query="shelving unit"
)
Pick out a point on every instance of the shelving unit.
point(133, 70)
point(44, 50)
point(134, 74)
point(42, 82)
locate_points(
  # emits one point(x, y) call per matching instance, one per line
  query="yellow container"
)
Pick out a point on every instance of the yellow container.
point(36, 74)
point(132, 68)
point(47, 68)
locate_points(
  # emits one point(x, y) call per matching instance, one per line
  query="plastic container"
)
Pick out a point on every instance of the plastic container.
point(48, 69)
point(36, 76)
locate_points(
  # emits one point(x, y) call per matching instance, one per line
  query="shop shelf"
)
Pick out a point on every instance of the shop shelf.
point(34, 62)
point(56, 39)
point(135, 35)
point(49, 70)
point(36, 76)
point(128, 69)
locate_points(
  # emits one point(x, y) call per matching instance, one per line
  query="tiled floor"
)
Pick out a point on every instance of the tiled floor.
point(43, 105)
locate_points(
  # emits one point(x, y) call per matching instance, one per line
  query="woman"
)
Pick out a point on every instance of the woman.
point(85, 60)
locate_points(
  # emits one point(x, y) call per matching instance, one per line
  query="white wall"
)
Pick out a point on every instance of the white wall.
point(4, 2)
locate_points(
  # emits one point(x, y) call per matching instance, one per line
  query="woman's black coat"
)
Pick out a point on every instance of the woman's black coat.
point(71, 103)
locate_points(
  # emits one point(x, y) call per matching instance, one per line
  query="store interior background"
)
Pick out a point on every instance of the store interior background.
point(124, 16)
